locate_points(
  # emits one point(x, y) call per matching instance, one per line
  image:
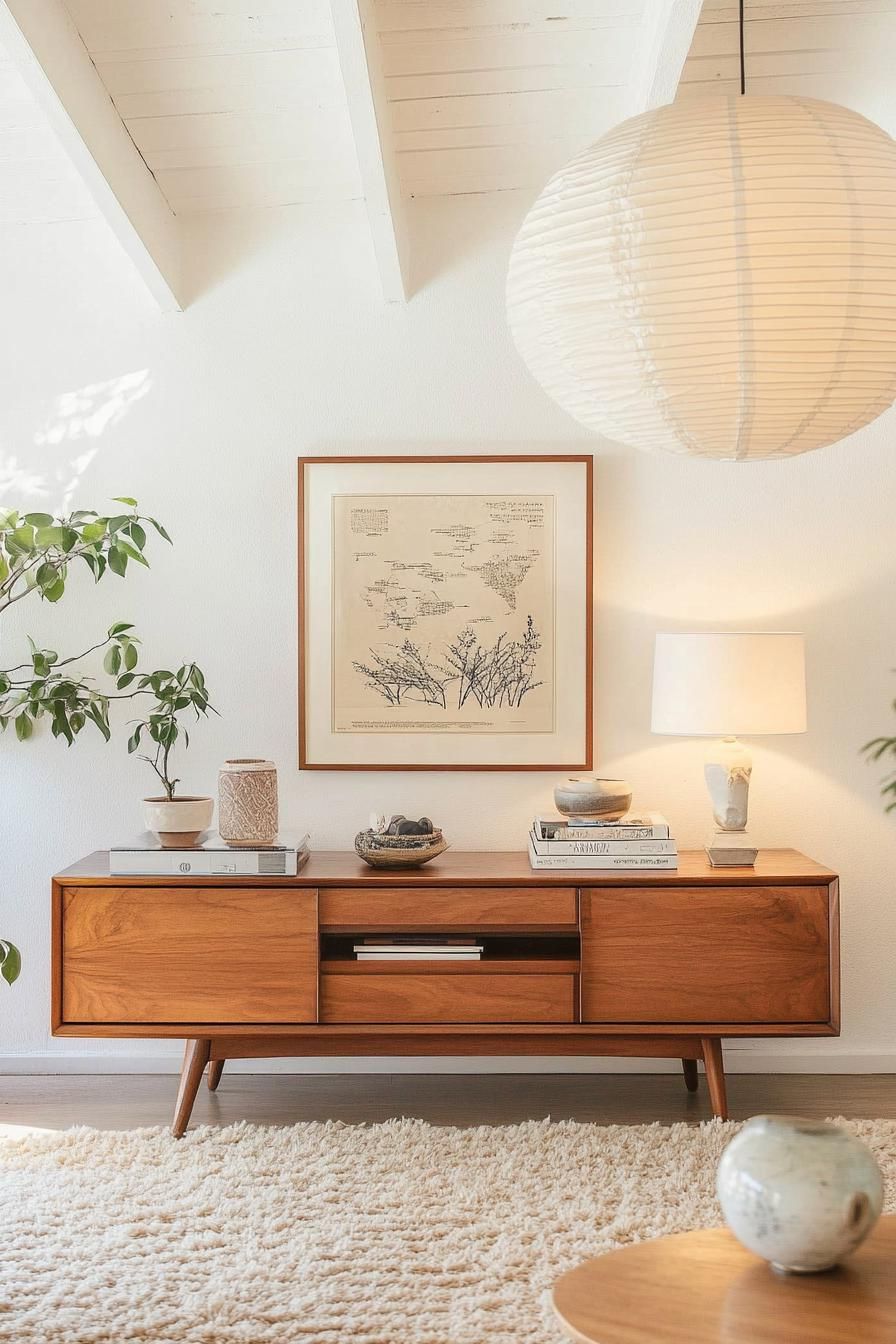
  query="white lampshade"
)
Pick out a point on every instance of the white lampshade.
point(717, 685)
point(716, 277)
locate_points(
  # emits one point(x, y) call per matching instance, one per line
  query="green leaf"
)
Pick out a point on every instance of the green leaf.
point(125, 499)
point(70, 538)
point(4, 683)
point(4, 567)
point(132, 551)
point(10, 961)
point(112, 660)
point(118, 522)
point(23, 538)
point(130, 657)
point(39, 519)
point(118, 561)
point(95, 711)
point(119, 628)
point(55, 591)
point(93, 531)
point(24, 726)
point(134, 739)
point(137, 533)
point(160, 529)
point(8, 518)
point(50, 536)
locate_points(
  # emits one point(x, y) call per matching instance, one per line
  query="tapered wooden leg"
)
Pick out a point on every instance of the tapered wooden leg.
point(196, 1055)
point(691, 1077)
point(715, 1075)
point(216, 1068)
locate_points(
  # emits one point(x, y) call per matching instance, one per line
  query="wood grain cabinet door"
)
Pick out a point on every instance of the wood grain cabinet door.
point(706, 955)
point(189, 954)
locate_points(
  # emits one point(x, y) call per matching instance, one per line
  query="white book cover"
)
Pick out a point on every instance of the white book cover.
point(214, 861)
point(393, 949)
point(419, 956)
point(600, 862)
point(619, 848)
point(633, 826)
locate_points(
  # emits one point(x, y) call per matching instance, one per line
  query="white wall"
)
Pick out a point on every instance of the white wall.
point(287, 349)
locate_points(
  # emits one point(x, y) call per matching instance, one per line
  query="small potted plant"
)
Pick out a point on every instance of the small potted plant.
point(177, 821)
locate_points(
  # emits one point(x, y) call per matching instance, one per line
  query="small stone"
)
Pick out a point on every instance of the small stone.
point(394, 823)
point(426, 826)
point(409, 828)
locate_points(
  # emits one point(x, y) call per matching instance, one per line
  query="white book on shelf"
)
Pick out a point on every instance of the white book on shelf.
point(211, 857)
point(617, 848)
point(633, 826)
point(393, 948)
point(600, 862)
point(433, 955)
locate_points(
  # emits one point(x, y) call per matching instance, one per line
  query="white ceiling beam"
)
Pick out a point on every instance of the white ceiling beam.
point(667, 31)
point(357, 43)
point(46, 48)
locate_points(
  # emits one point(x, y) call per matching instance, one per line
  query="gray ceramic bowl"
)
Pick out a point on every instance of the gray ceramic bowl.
point(603, 799)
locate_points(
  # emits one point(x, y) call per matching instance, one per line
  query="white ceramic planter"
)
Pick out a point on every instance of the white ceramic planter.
point(180, 822)
point(800, 1193)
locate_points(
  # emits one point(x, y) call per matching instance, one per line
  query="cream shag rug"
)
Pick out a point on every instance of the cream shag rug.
point(401, 1233)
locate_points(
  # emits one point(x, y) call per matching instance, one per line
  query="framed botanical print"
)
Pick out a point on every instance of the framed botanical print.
point(445, 613)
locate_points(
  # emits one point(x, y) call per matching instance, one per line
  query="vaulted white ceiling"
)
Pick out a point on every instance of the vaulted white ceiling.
point(233, 104)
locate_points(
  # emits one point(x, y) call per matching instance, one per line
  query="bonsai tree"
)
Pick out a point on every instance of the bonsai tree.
point(175, 693)
point(38, 552)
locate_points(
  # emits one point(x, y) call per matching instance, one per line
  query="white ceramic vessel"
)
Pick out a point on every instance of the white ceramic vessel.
point(801, 1193)
point(180, 821)
point(608, 799)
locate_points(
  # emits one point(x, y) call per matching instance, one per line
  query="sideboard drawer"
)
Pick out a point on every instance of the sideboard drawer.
point(706, 954)
point(477, 909)
point(431, 997)
point(188, 954)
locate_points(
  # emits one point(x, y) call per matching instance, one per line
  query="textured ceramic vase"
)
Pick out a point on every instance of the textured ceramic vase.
point(247, 802)
point(603, 799)
point(801, 1193)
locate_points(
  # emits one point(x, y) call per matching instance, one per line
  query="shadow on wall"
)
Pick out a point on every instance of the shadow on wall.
point(68, 439)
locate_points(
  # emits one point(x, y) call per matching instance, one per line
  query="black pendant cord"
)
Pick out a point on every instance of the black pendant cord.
point(743, 68)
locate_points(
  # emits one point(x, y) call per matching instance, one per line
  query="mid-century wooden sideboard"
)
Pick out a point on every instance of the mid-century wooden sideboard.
point(576, 963)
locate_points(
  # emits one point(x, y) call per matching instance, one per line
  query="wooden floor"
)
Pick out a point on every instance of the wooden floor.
point(125, 1102)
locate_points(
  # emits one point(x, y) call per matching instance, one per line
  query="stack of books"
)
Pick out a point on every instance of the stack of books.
point(635, 841)
point(211, 857)
point(414, 947)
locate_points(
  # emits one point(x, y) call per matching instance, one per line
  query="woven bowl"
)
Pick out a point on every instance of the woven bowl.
point(398, 851)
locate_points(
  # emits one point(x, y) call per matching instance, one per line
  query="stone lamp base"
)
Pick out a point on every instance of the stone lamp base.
point(727, 774)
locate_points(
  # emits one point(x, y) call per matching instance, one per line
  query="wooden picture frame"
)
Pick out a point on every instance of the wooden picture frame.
point(445, 616)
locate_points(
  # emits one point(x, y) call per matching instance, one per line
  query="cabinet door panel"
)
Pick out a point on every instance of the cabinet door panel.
point(189, 954)
point(430, 997)
point(706, 954)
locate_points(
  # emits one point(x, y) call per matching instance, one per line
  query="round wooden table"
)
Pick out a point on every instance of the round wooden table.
point(704, 1288)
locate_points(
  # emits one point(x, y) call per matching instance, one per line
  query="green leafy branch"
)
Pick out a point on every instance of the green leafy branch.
point(876, 750)
point(37, 550)
point(175, 693)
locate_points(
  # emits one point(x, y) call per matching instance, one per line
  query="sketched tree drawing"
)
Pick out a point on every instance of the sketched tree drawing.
point(497, 677)
point(402, 672)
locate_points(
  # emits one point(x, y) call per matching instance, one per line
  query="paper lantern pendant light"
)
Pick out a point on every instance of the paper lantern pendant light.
point(716, 277)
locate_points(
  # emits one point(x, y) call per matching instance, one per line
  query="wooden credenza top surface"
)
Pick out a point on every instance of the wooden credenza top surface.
point(457, 868)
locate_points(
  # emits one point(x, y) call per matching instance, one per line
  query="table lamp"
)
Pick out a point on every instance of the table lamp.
point(724, 685)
